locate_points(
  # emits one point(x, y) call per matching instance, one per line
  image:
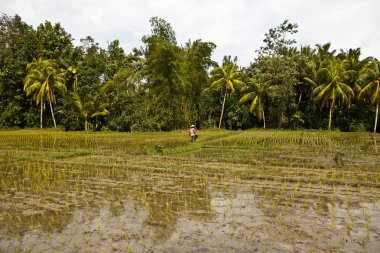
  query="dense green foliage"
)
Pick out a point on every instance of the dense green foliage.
point(164, 86)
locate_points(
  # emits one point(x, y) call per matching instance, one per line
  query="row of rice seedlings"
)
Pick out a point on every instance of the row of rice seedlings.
point(271, 138)
point(312, 171)
point(74, 182)
point(291, 204)
point(163, 205)
point(280, 158)
point(279, 155)
point(73, 185)
point(55, 140)
point(283, 169)
point(283, 209)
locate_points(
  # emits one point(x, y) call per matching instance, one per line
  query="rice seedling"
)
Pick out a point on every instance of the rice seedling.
point(154, 183)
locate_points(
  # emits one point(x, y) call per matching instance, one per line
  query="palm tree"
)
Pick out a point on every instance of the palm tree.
point(254, 93)
point(353, 66)
point(227, 78)
point(42, 81)
point(89, 109)
point(324, 51)
point(372, 87)
point(306, 64)
point(329, 87)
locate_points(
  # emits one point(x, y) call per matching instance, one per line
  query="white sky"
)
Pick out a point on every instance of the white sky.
point(237, 27)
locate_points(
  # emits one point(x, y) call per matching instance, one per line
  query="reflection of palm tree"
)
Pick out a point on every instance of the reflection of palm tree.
point(166, 204)
point(372, 88)
point(255, 91)
point(330, 89)
point(42, 81)
point(227, 78)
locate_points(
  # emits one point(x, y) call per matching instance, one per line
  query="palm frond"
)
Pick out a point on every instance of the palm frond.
point(246, 98)
point(254, 103)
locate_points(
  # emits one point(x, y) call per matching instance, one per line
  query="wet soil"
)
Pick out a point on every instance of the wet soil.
point(81, 209)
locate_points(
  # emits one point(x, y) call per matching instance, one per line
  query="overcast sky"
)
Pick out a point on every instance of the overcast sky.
point(237, 27)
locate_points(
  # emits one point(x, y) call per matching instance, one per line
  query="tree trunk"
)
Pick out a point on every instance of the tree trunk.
point(42, 111)
point(264, 118)
point(330, 113)
point(376, 116)
point(299, 100)
point(280, 119)
point(221, 114)
point(52, 113)
point(85, 125)
point(75, 82)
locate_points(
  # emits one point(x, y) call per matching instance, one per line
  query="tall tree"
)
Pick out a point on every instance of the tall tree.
point(371, 76)
point(277, 67)
point(254, 93)
point(116, 59)
point(42, 82)
point(53, 42)
point(18, 44)
point(276, 39)
point(161, 29)
point(162, 71)
point(304, 59)
point(353, 65)
point(280, 75)
point(121, 92)
point(226, 78)
point(324, 51)
point(197, 61)
point(330, 89)
point(91, 69)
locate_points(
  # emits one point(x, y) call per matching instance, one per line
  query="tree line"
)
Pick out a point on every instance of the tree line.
point(46, 81)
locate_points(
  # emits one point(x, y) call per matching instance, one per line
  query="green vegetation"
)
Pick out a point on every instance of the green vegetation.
point(161, 85)
point(308, 155)
point(149, 189)
point(140, 191)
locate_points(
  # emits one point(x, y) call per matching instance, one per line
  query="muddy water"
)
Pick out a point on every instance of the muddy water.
point(78, 209)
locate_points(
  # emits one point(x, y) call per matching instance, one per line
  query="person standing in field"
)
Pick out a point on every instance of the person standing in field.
point(193, 134)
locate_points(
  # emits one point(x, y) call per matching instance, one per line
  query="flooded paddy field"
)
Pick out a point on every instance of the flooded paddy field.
point(257, 191)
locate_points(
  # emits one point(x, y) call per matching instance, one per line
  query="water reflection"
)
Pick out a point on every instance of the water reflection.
point(49, 207)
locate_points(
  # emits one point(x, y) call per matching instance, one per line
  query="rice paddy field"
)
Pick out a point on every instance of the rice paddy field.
point(241, 191)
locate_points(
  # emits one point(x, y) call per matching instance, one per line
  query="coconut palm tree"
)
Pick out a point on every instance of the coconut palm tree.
point(43, 80)
point(306, 64)
point(329, 87)
point(254, 93)
point(87, 108)
point(353, 66)
point(226, 78)
point(324, 52)
point(371, 78)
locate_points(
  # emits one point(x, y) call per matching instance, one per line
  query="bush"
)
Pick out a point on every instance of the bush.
point(357, 127)
point(159, 148)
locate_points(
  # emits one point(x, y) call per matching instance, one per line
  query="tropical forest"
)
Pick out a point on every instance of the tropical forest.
point(46, 81)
